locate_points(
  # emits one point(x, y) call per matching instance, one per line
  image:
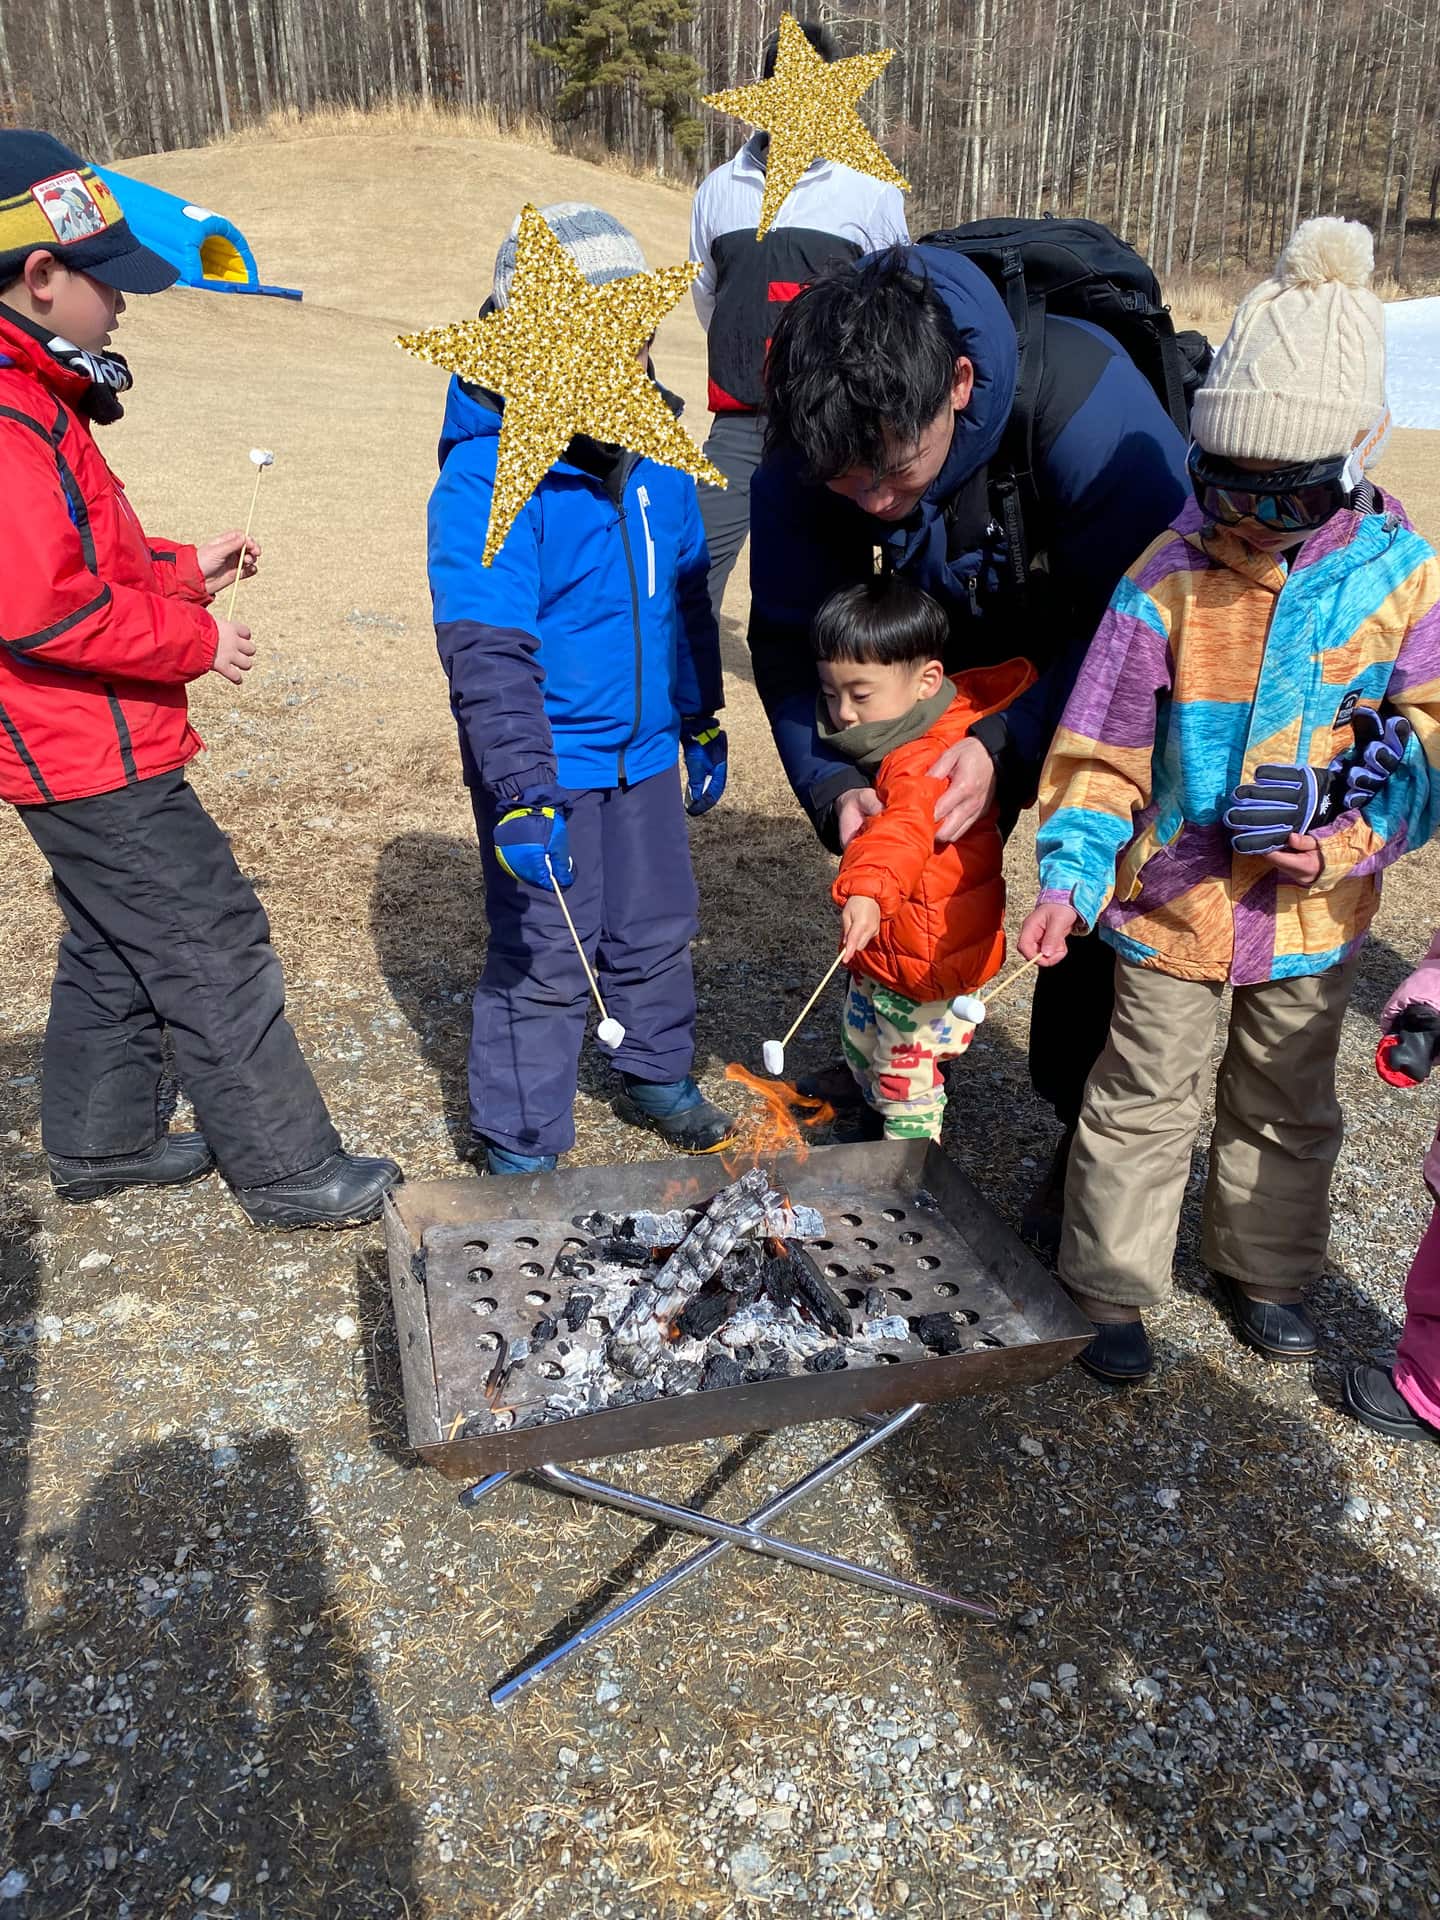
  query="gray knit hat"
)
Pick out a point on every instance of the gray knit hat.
point(597, 243)
point(1301, 373)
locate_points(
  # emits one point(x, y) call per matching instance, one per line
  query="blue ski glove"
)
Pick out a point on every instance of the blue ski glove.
point(1379, 748)
point(707, 762)
point(531, 829)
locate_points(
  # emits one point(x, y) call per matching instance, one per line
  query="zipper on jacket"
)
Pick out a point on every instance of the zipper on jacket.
point(635, 616)
point(642, 494)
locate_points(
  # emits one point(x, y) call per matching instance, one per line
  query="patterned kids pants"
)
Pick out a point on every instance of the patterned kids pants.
point(896, 1049)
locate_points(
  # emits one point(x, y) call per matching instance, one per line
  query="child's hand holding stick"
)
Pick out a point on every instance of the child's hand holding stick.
point(859, 924)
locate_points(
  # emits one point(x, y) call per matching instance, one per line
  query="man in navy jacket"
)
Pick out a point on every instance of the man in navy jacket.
point(890, 386)
point(581, 662)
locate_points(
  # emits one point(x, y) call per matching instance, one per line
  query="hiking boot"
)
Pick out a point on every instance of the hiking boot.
point(1281, 1330)
point(677, 1111)
point(171, 1161)
point(345, 1190)
point(1044, 1214)
point(835, 1084)
point(1371, 1394)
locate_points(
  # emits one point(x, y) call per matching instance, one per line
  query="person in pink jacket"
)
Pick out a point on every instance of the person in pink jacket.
point(1403, 1400)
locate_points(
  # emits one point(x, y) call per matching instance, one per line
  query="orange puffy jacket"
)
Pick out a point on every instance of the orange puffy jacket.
point(942, 926)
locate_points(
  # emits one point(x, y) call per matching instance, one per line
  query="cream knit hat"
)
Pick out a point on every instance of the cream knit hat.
point(1301, 374)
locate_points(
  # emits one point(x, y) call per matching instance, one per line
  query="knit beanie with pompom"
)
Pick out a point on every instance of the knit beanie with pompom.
point(1301, 374)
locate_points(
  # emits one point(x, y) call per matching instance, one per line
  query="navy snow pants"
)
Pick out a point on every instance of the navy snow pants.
point(635, 908)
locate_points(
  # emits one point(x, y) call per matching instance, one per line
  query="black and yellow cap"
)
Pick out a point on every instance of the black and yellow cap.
point(53, 201)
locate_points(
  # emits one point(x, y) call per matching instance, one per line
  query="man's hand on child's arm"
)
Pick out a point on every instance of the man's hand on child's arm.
point(234, 652)
point(859, 924)
point(218, 559)
point(1299, 862)
point(971, 792)
point(854, 807)
point(1045, 932)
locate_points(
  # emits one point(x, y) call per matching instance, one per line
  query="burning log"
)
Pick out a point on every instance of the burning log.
point(736, 1211)
point(669, 1229)
point(794, 1276)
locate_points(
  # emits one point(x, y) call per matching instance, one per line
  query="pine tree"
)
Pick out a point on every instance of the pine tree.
point(607, 50)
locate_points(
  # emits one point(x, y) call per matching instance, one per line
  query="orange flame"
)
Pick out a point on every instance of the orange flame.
point(777, 1124)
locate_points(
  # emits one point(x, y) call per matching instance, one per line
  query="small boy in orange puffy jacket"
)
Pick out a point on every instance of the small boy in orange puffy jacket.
point(921, 923)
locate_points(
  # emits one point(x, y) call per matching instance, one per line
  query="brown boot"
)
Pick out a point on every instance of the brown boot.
point(1045, 1209)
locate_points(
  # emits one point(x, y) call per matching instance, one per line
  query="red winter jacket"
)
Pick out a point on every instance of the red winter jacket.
point(99, 629)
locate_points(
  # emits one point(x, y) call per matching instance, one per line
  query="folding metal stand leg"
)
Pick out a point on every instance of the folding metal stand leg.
point(725, 1537)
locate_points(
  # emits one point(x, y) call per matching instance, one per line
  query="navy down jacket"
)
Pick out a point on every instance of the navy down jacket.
point(574, 656)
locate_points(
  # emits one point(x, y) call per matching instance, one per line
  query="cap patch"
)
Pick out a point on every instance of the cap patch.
point(73, 207)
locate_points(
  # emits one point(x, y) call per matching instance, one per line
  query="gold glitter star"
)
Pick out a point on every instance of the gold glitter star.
point(563, 355)
point(808, 109)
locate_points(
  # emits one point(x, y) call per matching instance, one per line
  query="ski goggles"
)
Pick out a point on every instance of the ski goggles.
point(1290, 499)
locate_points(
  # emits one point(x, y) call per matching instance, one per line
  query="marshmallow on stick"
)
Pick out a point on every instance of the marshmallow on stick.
point(971, 1006)
point(261, 458)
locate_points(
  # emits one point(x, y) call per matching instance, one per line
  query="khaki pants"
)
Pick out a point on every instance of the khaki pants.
point(1277, 1135)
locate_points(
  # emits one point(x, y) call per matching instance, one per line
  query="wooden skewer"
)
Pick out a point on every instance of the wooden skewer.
point(594, 983)
point(1009, 980)
point(245, 542)
point(829, 976)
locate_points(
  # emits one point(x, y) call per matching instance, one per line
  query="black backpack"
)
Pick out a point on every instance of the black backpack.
point(1078, 270)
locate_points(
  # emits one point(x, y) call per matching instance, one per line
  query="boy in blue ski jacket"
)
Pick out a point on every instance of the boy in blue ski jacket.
point(581, 662)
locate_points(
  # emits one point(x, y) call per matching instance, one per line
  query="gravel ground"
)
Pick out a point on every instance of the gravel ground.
point(246, 1643)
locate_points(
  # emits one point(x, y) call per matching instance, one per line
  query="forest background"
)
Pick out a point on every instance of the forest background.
point(1199, 129)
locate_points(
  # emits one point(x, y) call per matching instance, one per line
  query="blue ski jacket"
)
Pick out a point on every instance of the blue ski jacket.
point(575, 655)
point(1109, 468)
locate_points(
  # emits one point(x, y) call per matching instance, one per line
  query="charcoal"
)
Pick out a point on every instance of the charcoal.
point(828, 1360)
point(623, 1253)
point(477, 1424)
point(818, 1298)
point(576, 1309)
point(720, 1371)
point(543, 1330)
point(571, 1263)
point(708, 1310)
point(875, 1302)
point(779, 1281)
point(939, 1332)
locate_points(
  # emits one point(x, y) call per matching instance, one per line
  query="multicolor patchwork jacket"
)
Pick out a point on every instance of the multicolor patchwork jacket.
point(1215, 659)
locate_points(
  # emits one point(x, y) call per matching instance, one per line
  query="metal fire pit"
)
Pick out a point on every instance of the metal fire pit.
point(471, 1263)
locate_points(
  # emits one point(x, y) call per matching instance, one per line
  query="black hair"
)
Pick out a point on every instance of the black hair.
point(861, 361)
point(884, 622)
point(815, 31)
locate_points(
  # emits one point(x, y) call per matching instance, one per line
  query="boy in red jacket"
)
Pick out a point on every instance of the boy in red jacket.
point(100, 630)
point(921, 923)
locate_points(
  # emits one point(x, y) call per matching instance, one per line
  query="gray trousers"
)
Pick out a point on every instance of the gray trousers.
point(735, 445)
